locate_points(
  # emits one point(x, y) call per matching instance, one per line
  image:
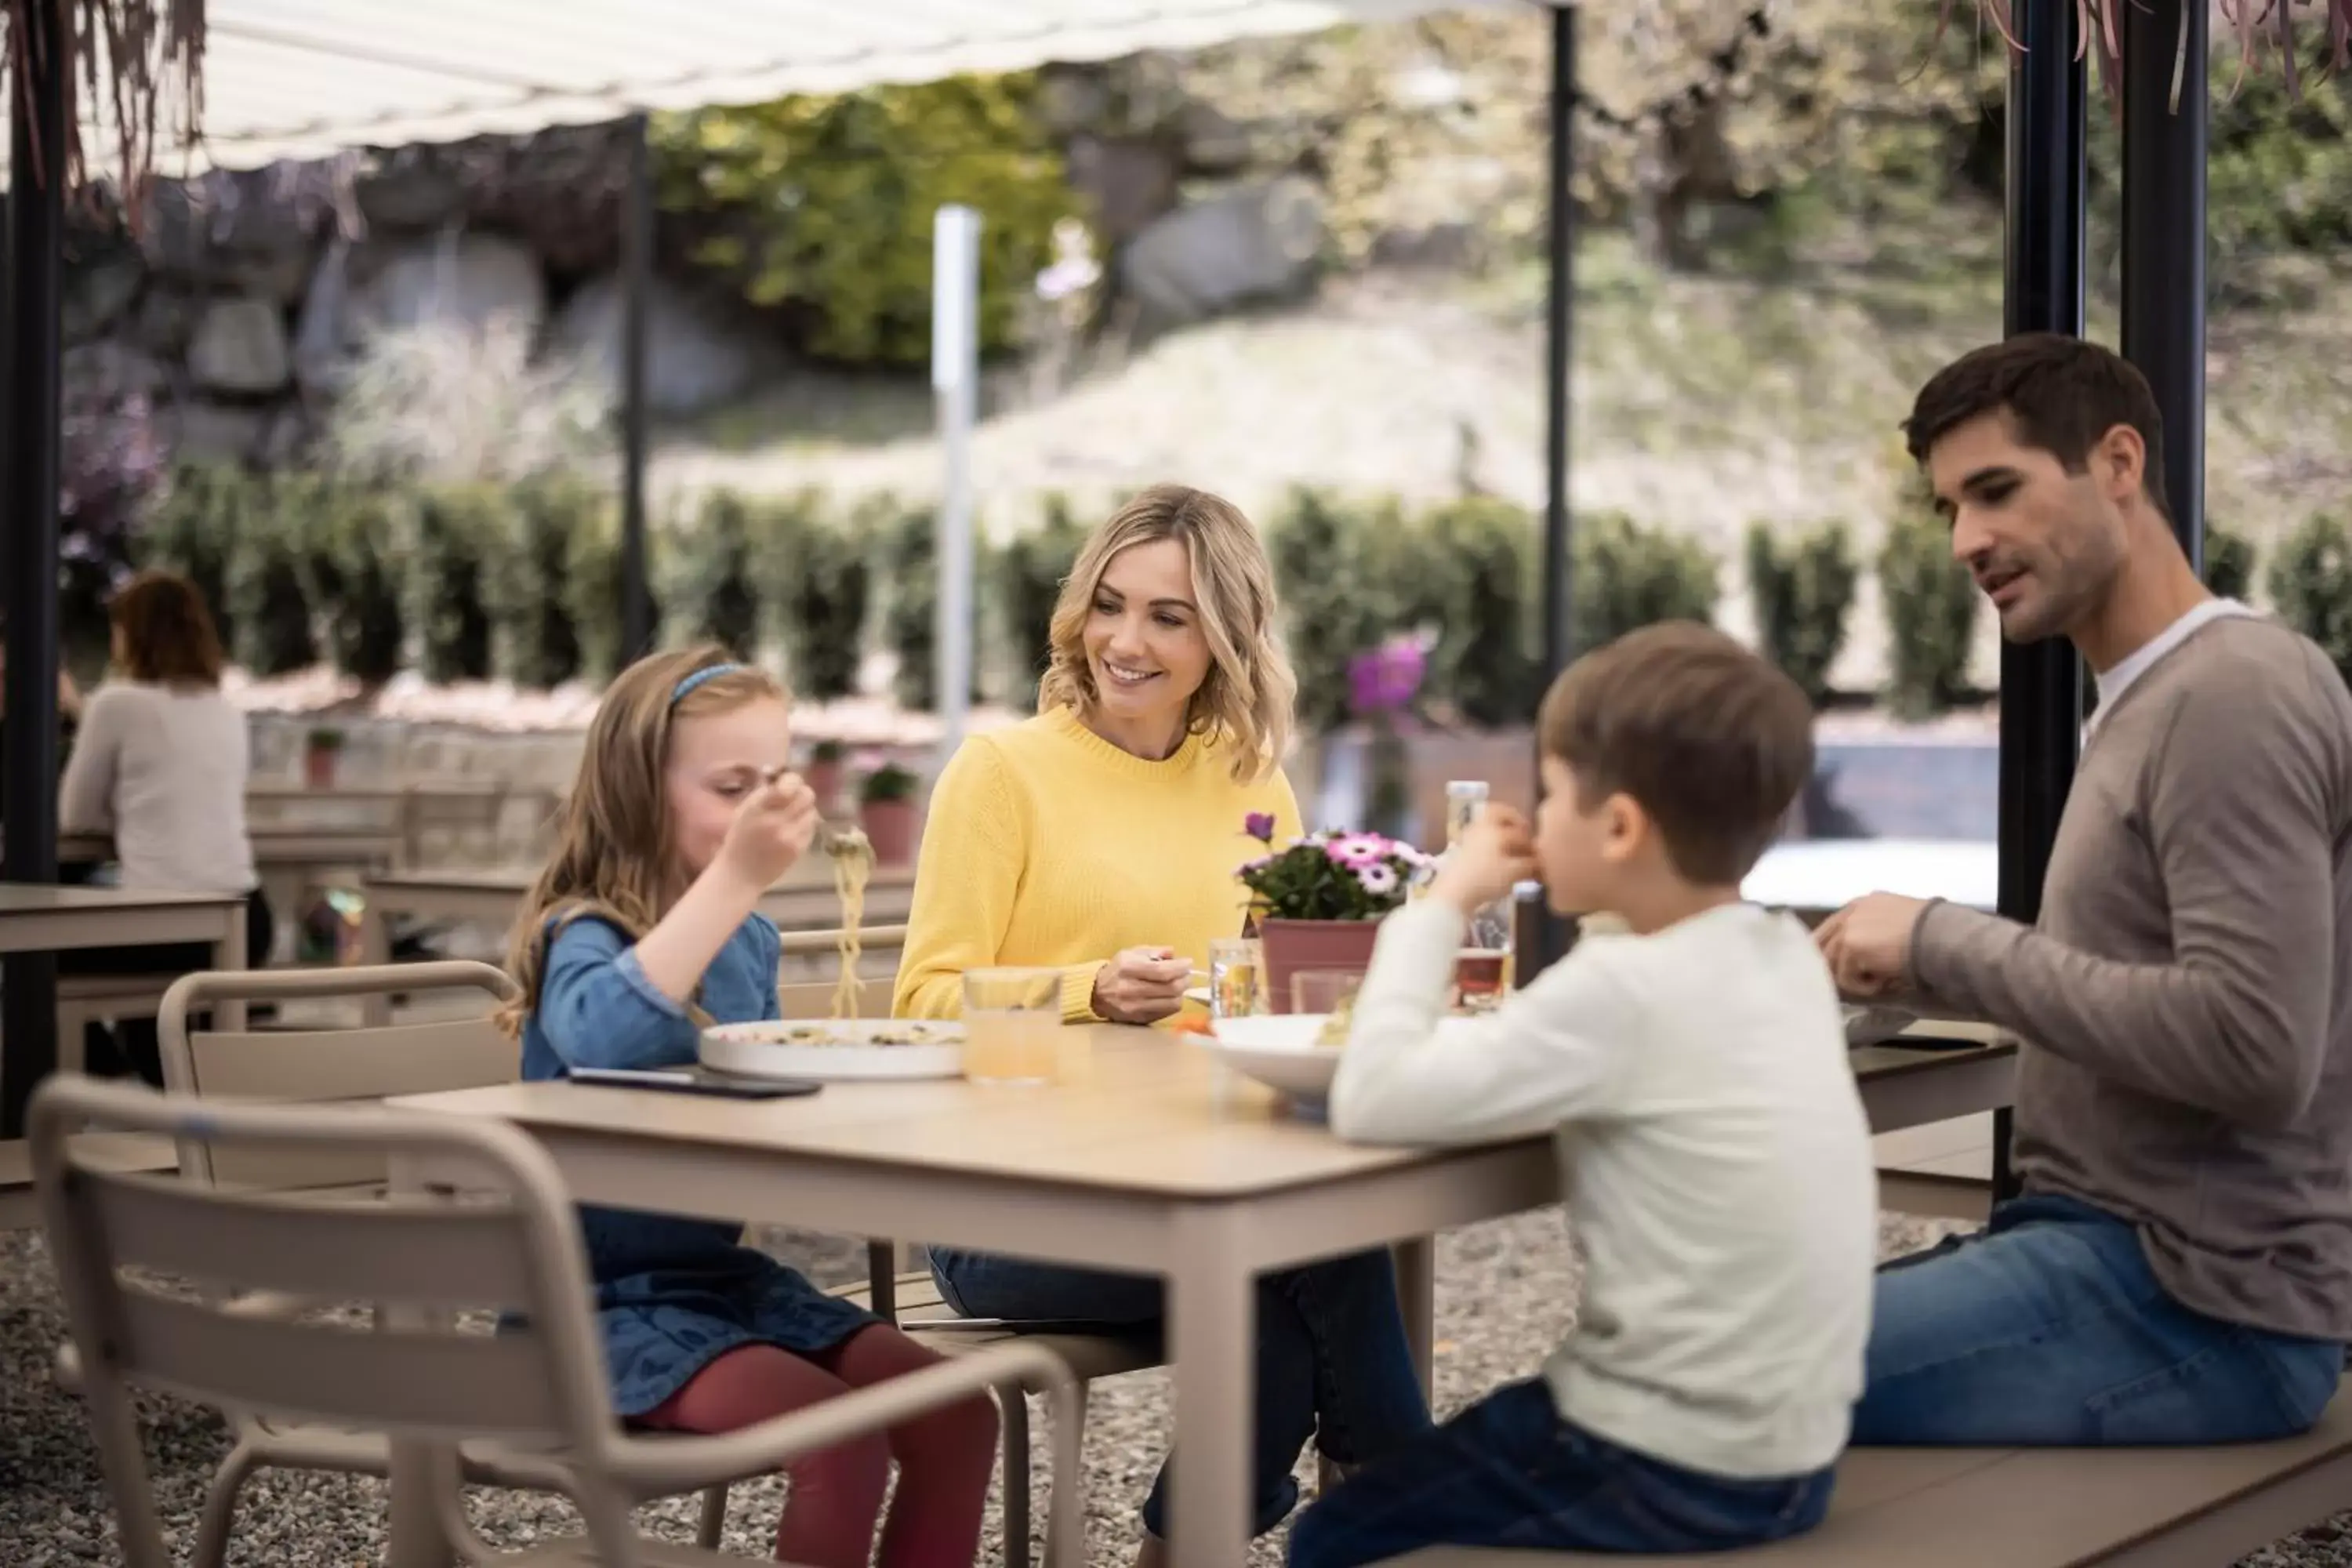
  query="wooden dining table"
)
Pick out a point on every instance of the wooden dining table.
point(1147, 1156)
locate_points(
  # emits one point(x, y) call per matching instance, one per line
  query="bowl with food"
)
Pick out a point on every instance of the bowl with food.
point(836, 1049)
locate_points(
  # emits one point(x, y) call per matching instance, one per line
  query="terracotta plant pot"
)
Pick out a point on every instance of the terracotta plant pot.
point(890, 827)
point(1293, 946)
point(318, 765)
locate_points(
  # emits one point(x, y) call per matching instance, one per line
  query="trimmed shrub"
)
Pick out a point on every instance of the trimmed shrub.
point(1628, 576)
point(460, 541)
point(188, 527)
point(357, 581)
point(1351, 573)
point(1029, 570)
point(1487, 664)
point(2229, 563)
point(826, 590)
point(1930, 606)
point(542, 639)
point(2311, 584)
point(909, 537)
point(715, 579)
point(1803, 591)
point(268, 590)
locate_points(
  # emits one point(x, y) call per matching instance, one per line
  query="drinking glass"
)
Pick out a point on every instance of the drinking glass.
point(1324, 991)
point(1013, 1025)
point(1482, 973)
point(1236, 977)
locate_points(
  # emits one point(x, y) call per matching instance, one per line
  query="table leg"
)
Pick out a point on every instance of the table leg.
point(1212, 1325)
point(229, 954)
point(414, 1536)
point(375, 948)
point(1416, 1266)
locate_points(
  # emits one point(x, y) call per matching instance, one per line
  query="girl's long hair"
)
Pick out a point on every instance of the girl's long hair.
point(612, 847)
point(1245, 703)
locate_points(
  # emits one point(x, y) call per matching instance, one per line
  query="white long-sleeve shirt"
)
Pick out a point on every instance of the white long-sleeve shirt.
point(1715, 1158)
point(164, 770)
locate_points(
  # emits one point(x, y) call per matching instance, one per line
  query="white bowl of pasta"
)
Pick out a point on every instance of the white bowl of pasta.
point(836, 1049)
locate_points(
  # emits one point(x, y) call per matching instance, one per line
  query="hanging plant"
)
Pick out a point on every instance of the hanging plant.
point(141, 63)
point(2258, 24)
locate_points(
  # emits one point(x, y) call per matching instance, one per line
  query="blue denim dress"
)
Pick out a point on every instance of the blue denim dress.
point(672, 1294)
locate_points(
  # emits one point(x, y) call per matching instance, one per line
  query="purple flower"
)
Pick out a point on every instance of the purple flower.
point(1384, 680)
point(1259, 825)
point(1377, 877)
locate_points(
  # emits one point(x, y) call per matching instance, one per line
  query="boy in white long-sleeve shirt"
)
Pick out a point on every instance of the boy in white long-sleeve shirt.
point(1715, 1159)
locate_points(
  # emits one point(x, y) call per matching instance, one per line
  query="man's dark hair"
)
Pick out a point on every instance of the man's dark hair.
point(2064, 395)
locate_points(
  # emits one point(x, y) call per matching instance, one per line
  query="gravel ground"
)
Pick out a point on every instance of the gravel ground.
point(1505, 1293)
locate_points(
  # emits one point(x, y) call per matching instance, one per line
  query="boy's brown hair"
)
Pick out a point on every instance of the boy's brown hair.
point(1708, 739)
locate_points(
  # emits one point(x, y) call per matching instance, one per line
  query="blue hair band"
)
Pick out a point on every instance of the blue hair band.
point(708, 673)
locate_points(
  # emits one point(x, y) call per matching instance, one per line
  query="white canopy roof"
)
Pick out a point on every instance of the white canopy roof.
point(304, 79)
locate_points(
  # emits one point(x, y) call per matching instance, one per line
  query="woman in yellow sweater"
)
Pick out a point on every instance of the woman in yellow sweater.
point(1102, 837)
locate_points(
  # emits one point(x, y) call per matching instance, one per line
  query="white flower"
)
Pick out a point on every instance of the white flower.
point(1378, 879)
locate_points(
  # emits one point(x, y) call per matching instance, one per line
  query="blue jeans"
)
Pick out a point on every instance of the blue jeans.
point(1509, 1473)
point(1332, 1360)
point(2048, 1328)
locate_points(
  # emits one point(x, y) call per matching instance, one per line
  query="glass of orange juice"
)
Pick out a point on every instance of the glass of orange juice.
point(1012, 1024)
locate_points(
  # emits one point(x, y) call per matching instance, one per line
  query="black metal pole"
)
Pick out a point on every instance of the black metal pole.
point(2042, 288)
point(636, 284)
point(2164, 239)
point(1551, 934)
point(28, 514)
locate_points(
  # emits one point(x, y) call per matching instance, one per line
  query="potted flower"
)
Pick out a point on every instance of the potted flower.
point(1319, 900)
point(321, 748)
point(886, 810)
point(824, 773)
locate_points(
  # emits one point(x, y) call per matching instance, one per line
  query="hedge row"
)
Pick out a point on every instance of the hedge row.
point(525, 583)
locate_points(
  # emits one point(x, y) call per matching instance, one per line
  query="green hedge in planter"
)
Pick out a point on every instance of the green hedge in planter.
point(2311, 584)
point(189, 525)
point(1487, 664)
point(462, 534)
point(268, 582)
point(2229, 563)
point(715, 587)
point(824, 595)
point(1930, 609)
point(1804, 590)
point(1627, 576)
point(1351, 571)
point(1029, 570)
point(542, 638)
point(356, 578)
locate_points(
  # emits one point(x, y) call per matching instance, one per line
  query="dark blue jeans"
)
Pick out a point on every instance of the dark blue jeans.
point(2048, 1328)
point(1509, 1473)
point(1332, 1360)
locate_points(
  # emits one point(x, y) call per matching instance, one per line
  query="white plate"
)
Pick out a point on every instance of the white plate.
point(1279, 1050)
point(766, 1050)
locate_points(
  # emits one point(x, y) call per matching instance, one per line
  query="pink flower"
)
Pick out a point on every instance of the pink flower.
point(1378, 878)
point(1358, 850)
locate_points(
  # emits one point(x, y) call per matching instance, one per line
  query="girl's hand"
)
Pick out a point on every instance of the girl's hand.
point(772, 829)
point(1141, 985)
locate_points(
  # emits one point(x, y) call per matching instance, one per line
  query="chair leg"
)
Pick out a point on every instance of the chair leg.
point(220, 1508)
point(1014, 1403)
point(714, 1518)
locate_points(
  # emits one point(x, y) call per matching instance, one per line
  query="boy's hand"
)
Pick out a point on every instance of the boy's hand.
point(1496, 854)
point(771, 830)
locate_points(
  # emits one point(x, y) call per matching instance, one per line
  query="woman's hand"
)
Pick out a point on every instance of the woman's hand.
point(772, 829)
point(1141, 985)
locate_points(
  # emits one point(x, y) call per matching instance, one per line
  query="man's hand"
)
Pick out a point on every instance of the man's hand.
point(1496, 854)
point(1868, 944)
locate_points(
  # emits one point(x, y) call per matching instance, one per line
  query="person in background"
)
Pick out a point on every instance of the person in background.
point(1711, 1139)
point(1100, 838)
point(161, 764)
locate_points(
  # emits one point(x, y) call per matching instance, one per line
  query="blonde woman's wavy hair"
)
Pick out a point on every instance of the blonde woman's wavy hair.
point(1244, 704)
point(612, 840)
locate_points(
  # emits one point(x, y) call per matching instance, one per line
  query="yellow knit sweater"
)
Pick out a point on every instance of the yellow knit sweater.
point(1047, 845)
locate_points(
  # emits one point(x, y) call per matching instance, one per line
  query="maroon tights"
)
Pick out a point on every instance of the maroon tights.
point(945, 1456)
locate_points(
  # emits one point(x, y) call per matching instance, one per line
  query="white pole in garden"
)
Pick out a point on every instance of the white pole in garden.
point(955, 378)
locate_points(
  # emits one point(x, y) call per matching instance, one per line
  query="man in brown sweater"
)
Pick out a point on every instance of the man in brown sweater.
point(2179, 1268)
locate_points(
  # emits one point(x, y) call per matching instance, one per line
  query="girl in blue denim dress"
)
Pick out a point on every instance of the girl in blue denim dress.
point(642, 928)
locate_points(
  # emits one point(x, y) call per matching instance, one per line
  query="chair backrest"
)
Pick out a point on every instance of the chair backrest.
point(511, 1245)
point(326, 1065)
